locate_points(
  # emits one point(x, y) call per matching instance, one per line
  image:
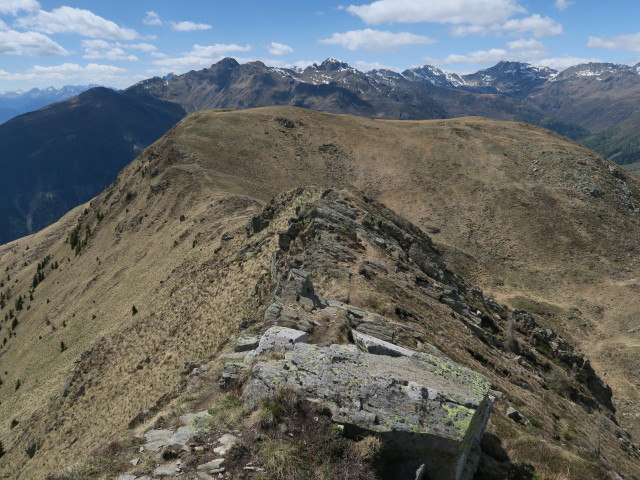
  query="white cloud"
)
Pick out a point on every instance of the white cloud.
point(480, 57)
point(143, 47)
point(189, 26)
point(464, 30)
point(376, 40)
point(562, 4)
point(94, 49)
point(367, 66)
point(537, 25)
point(75, 20)
point(630, 42)
point(152, 18)
point(67, 72)
point(276, 48)
point(522, 50)
point(199, 57)
point(12, 7)
point(28, 43)
point(560, 63)
point(75, 68)
point(530, 48)
point(451, 11)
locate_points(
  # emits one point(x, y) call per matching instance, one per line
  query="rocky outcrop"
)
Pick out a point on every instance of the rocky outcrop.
point(345, 316)
point(429, 411)
point(553, 345)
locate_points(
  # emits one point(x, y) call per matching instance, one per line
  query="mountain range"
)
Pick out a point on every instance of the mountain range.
point(121, 318)
point(592, 103)
point(17, 103)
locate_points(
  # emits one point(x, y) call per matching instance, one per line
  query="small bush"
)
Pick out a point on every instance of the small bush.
point(14, 423)
point(134, 310)
point(368, 449)
point(273, 410)
point(269, 415)
point(228, 412)
point(286, 461)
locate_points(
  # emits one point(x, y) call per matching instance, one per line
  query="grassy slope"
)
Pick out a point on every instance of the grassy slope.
point(529, 236)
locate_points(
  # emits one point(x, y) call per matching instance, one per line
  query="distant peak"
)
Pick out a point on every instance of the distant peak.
point(597, 69)
point(227, 62)
point(333, 65)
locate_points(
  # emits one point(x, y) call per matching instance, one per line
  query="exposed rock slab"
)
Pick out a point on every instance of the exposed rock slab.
point(427, 409)
point(277, 338)
point(156, 439)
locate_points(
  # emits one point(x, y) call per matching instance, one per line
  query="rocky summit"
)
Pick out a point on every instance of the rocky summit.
point(211, 315)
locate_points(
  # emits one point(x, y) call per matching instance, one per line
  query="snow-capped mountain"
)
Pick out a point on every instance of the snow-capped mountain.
point(436, 76)
point(18, 102)
point(593, 103)
point(510, 78)
point(597, 71)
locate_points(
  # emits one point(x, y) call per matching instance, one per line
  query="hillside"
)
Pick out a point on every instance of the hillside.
point(514, 209)
point(633, 167)
point(62, 155)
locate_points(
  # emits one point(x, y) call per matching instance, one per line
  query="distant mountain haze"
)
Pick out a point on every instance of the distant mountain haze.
point(13, 104)
point(66, 153)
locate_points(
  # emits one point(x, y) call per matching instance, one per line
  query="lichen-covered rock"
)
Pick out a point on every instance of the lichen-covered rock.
point(231, 373)
point(427, 409)
point(279, 339)
point(370, 344)
point(246, 343)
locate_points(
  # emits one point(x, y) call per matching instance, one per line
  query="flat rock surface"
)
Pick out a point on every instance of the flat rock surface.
point(419, 394)
point(156, 439)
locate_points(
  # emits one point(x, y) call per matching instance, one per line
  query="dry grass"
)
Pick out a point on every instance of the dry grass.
point(227, 412)
point(517, 233)
point(286, 460)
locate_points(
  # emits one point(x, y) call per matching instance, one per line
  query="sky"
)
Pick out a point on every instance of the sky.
point(120, 42)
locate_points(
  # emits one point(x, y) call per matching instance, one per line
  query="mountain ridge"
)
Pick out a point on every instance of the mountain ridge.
point(16, 103)
point(188, 233)
point(67, 152)
point(569, 103)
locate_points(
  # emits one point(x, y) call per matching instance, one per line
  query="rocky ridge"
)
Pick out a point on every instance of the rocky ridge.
point(170, 220)
point(372, 387)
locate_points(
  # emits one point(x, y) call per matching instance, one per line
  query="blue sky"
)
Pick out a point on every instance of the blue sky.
point(118, 42)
